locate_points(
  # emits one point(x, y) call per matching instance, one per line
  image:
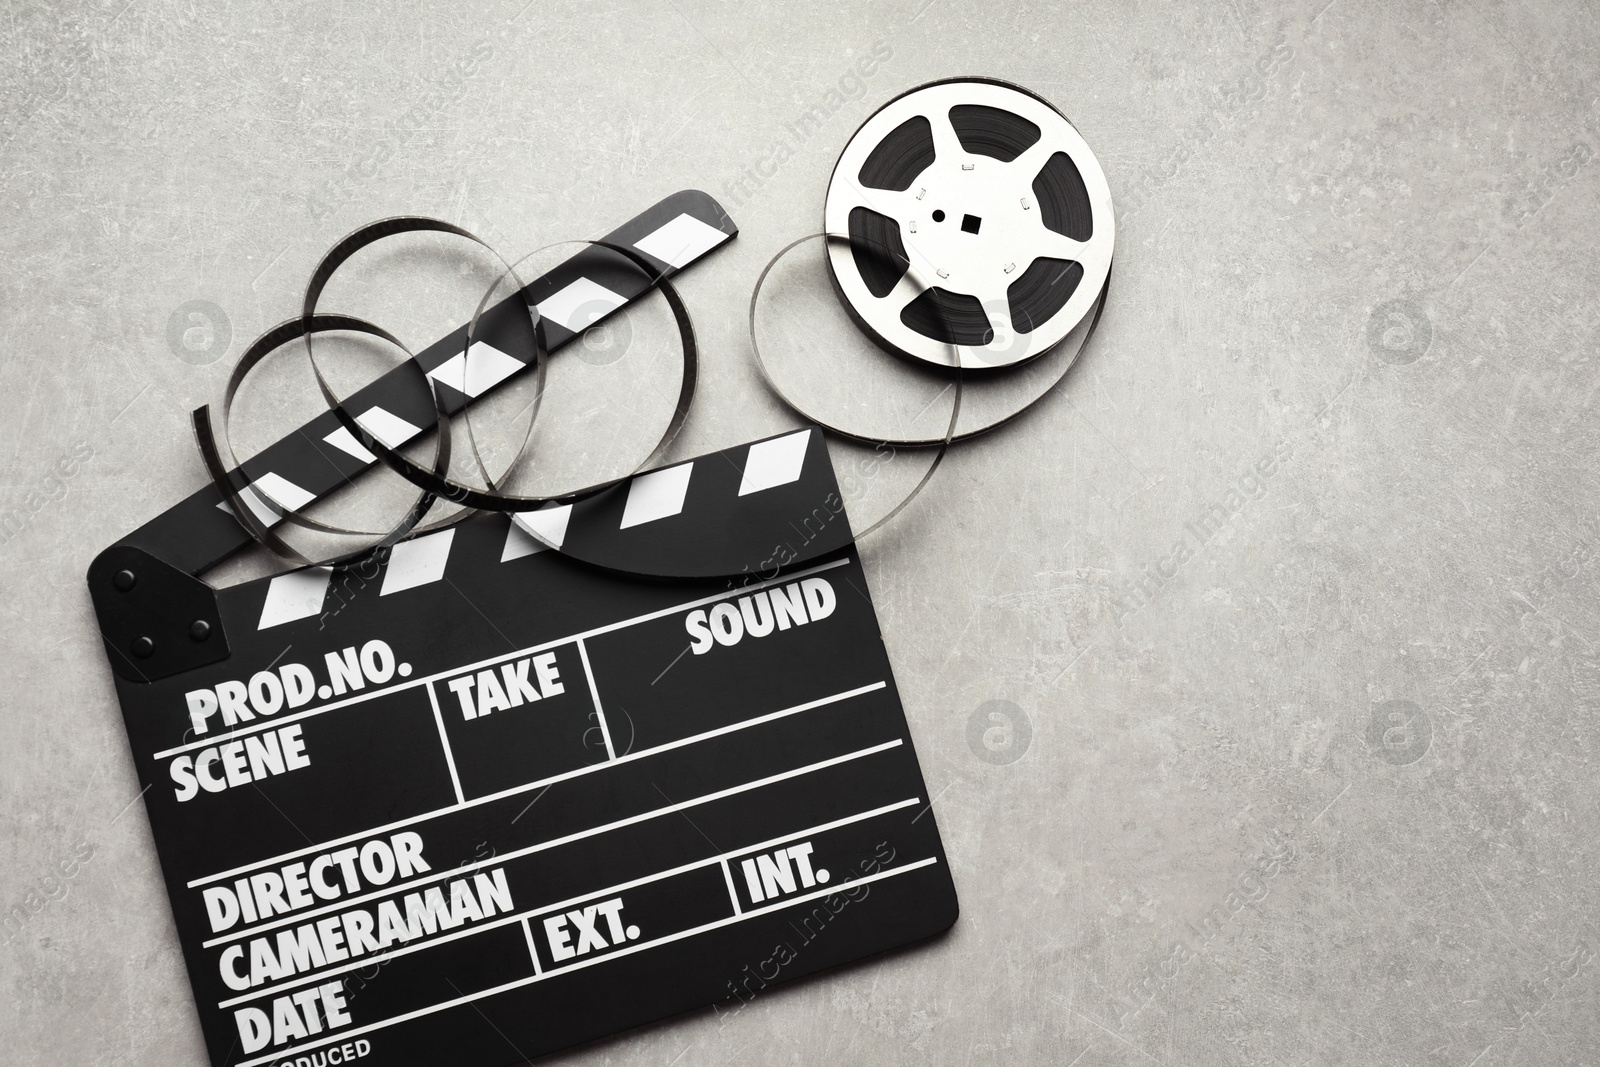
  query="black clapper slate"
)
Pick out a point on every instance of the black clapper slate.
point(521, 802)
point(642, 787)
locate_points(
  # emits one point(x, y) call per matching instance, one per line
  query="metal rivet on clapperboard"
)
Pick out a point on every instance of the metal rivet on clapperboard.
point(143, 647)
point(124, 580)
point(199, 630)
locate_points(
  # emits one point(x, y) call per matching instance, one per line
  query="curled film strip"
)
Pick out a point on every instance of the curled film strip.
point(968, 230)
point(378, 434)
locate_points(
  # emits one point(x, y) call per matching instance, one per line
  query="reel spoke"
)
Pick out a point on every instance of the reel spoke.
point(998, 309)
point(1059, 246)
point(947, 150)
point(907, 289)
point(1027, 166)
point(896, 205)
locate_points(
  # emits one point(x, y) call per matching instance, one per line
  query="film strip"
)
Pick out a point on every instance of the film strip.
point(323, 455)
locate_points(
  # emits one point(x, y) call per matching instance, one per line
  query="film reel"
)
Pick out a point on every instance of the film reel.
point(987, 191)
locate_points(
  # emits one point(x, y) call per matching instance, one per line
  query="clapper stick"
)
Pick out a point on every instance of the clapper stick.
point(322, 456)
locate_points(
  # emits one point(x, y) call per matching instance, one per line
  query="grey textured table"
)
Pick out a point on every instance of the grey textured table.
point(1252, 672)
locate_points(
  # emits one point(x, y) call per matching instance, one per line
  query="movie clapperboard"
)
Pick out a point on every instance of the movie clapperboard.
point(471, 800)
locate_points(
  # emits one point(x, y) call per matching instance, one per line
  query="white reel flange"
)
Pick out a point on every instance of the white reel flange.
point(979, 220)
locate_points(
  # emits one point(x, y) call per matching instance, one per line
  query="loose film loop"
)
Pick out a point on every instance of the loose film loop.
point(435, 482)
point(812, 416)
point(469, 496)
point(309, 324)
point(233, 486)
point(680, 412)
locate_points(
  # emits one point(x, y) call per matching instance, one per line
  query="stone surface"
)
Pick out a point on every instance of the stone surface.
point(1306, 786)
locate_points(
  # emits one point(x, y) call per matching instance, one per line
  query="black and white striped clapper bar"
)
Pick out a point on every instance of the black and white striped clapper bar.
point(473, 800)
